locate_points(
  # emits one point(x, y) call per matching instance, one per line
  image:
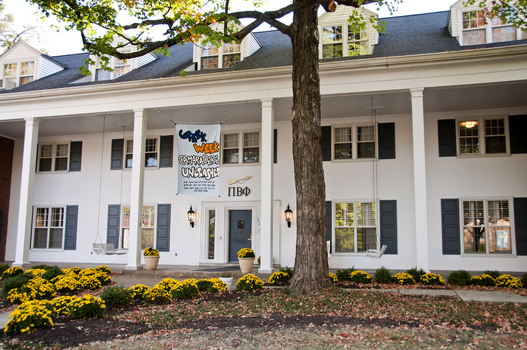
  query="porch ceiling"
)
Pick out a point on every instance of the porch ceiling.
point(436, 100)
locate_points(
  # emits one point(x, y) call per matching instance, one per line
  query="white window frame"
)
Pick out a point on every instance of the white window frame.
point(241, 147)
point(18, 75)
point(123, 227)
point(487, 227)
point(487, 28)
point(354, 142)
point(345, 42)
point(355, 226)
point(48, 226)
point(113, 63)
point(482, 136)
point(220, 54)
point(53, 157)
point(127, 153)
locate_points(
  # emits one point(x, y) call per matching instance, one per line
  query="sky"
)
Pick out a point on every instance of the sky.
point(64, 42)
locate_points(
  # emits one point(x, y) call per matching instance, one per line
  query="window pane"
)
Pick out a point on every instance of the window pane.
point(148, 217)
point(332, 34)
point(212, 232)
point(499, 227)
point(130, 146)
point(230, 156)
point(151, 160)
point(9, 70)
point(62, 150)
point(344, 240)
point(361, 35)
point(45, 164)
point(101, 75)
point(474, 227)
point(503, 34)
point(342, 134)
point(469, 136)
point(344, 214)
point(473, 213)
point(475, 239)
point(343, 151)
point(357, 49)
point(41, 237)
point(27, 68)
point(495, 141)
point(474, 37)
point(332, 50)
point(230, 140)
point(129, 160)
point(209, 51)
point(147, 238)
point(495, 144)
point(121, 70)
point(343, 145)
point(366, 150)
point(251, 155)
point(46, 151)
point(366, 239)
point(126, 216)
point(61, 164)
point(151, 145)
point(231, 48)
point(57, 217)
point(126, 238)
point(209, 62)
point(42, 217)
point(251, 139)
point(366, 214)
point(231, 60)
point(25, 80)
point(55, 238)
point(499, 213)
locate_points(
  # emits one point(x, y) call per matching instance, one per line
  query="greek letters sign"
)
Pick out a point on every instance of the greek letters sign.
point(199, 159)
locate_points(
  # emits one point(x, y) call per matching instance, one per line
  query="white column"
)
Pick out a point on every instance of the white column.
point(266, 233)
point(421, 212)
point(136, 194)
point(27, 185)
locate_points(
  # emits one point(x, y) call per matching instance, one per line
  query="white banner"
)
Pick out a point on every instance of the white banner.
point(199, 159)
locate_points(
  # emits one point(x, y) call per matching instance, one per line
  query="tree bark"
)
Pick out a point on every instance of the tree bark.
point(311, 261)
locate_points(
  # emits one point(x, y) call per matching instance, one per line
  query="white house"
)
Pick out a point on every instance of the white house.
point(425, 149)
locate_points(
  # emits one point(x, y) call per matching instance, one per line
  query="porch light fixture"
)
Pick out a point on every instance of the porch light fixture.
point(288, 216)
point(469, 124)
point(191, 215)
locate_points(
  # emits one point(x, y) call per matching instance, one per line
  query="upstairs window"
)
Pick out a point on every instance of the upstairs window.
point(18, 74)
point(223, 57)
point(501, 31)
point(53, 157)
point(477, 29)
point(120, 67)
point(341, 41)
point(246, 144)
point(151, 153)
point(354, 142)
point(483, 136)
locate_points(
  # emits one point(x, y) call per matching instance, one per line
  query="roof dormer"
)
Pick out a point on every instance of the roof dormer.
point(227, 55)
point(337, 38)
point(22, 64)
point(471, 26)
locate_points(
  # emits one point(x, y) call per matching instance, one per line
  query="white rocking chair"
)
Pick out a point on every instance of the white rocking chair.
point(107, 249)
point(374, 253)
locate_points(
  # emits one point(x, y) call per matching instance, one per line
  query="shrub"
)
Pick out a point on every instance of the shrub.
point(493, 273)
point(167, 284)
point(246, 253)
point(217, 285)
point(403, 278)
point(157, 296)
point(524, 280)
point(103, 278)
point(249, 282)
point(90, 271)
point(36, 272)
point(12, 272)
point(431, 279)
point(66, 284)
point(3, 267)
point(287, 270)
point(204, 284)
point(416, 274)
point(150, 251)
point(14, 283)
point(333, 278)
point(28, 317)
point(52, 272)
point(41, 266)
point(383, 275)
point(138, 291)
point(116, 296)
point(185, 289)
point(90, 282)
point(358, 276)
point(344, 275)
point(36, 288)
point(459, 278)
point(105, 269)
point(61, 305)
point(483, 280)
point(508, 281)
point(278, 277)
point(87, 306)
point(72, 271)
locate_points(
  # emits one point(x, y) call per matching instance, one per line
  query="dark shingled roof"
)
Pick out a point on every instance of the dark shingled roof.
point(405, 35)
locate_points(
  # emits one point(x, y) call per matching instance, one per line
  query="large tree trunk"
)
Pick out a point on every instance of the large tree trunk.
point(311, 262)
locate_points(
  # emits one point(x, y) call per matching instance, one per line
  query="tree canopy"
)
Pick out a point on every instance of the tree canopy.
point(507, 11)
point(9, 33)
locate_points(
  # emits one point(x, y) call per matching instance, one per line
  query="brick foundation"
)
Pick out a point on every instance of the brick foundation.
point(6, 169)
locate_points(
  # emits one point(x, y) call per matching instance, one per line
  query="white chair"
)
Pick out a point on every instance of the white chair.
point(374, 253)
point(107, 249)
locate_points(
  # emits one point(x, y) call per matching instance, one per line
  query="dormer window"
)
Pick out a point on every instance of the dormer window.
point(119, 67)
point(339, 43)
point(19, 73)
point(223, 57)
point(474, 27)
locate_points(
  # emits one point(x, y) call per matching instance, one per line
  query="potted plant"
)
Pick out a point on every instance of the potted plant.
point(151, 258)
point(226, 278)
point(246, 259)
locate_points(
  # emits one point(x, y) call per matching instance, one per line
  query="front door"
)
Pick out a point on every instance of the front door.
point(240, 222)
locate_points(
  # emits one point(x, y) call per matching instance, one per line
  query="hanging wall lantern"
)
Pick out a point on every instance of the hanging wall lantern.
point(288, 216)
point(191, 215)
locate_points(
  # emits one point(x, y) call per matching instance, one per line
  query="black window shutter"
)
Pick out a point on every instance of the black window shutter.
point(275, 146)
point(163, 227)
point(388, 224)
point(520, 224)
point(386, 133)
point(518, 133)
point(166, 151)
point(31, 231)
point(70, 237)
point(329, 224)
point(36, 162)
point(446, 130)
point(326, 143)
point(117, 154)
point(75, 155)
point(114, 224)
point(450, 226)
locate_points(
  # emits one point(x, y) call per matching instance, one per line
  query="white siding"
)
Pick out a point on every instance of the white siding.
point(253, 44)
point(141, 61)
point(48, 67)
